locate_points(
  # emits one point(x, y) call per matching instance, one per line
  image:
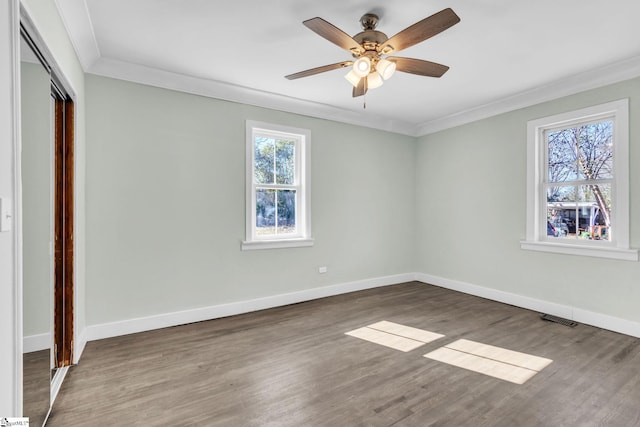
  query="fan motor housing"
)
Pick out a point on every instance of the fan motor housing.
point(369, 39)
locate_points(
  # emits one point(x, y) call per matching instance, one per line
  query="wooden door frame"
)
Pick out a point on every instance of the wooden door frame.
point(63, 249)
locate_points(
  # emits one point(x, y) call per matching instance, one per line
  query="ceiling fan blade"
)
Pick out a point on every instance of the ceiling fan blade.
point(319, 70)
point(334, 34)
point(418, 66)
point(361, 89)
point(421, 31)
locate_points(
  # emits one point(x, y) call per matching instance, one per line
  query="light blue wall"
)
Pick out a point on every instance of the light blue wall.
point(471, 195)
point(166, 200)
point(166, 207)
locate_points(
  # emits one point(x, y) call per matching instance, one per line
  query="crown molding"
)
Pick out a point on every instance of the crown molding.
point(76, 20)
point(613, 73)
point(215, 89)
point(75, 16)
point(591, 79)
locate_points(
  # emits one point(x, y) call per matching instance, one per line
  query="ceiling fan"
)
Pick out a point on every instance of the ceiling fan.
point(370, 48)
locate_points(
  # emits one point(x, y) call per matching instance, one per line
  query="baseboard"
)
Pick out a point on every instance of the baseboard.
point(605, 321)
point(141, 324)
point(599, 320)
point(36, 342)
point(108, 330)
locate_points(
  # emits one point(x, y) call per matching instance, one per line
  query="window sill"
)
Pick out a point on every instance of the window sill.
point(250, 245)
point(598, 252)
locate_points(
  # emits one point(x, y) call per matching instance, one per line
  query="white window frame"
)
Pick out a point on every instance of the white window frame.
point(536, 231)
point(302, 185)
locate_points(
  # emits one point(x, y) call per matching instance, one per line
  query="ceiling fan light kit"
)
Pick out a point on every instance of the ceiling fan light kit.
point(374, 80)
point(386, 68)
point(353, 78)
point(370, 49)
point(362, 66)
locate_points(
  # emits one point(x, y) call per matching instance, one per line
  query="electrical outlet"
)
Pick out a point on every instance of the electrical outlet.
point(322, 270)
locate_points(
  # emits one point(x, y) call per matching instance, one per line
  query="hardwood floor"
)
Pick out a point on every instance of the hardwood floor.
point(36, 386)
point(294, 366)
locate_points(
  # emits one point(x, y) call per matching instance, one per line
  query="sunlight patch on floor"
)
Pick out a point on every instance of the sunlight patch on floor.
point(489, 360)
point(497, 362)
point(394, 335)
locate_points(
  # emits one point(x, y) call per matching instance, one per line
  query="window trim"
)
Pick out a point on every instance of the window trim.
point(303, 192)
point(618, 248)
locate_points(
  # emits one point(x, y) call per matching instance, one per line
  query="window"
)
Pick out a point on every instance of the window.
point(578, 183)
point(278, 211)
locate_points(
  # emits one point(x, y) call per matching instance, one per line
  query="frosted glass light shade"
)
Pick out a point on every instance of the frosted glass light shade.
point(386, 68)
point(374, 80)
point(353, 78)
point(362, 66)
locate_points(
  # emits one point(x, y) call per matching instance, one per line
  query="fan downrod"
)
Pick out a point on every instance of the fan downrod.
point(369, 21)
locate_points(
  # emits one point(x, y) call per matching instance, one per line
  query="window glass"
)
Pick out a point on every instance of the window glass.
point(579, 174)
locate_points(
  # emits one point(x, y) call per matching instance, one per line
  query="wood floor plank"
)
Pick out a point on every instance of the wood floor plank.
point(36, 386)
point(293, 366)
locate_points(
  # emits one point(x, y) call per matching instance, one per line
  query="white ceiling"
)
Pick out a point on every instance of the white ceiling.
point(504, 54)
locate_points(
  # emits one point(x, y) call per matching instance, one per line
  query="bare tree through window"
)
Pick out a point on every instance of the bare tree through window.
point(580, 175)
